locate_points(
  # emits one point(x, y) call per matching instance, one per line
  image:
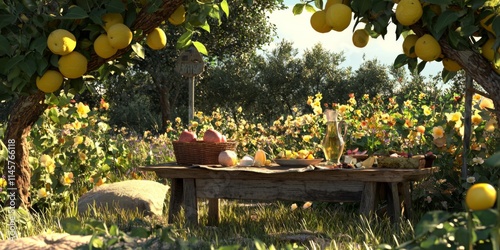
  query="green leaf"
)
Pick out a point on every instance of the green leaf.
point(476, 4)
point(298, 8)
point(200, 47)
point(71, 225)
point(447, 75)
point(445, 20)
point(139, 50)
point(421, 66)
point(318, 4)
point(310, 8)
point(429, 222)
point(439, 2)
point(4, 46)
point(96, 242)
point(205, 26)
point(39, 44)
point(225, 7)
point(114, 231)
point(115, 6)
point(185, 39)
point(7, 19)
point(139, 232)
point(400, 61)
point(493, 161)
point(13, 62)
point(75, 12)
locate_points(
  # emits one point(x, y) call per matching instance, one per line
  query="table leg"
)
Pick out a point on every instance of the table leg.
point(190, 202)
point(213, 211)
point(394, 204)
point(407, 200)
point(176, 199)
point(368, 199)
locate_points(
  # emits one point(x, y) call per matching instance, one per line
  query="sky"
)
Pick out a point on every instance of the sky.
point(298, 30)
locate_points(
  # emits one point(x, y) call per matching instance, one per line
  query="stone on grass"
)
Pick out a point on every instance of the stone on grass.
point(134, 195)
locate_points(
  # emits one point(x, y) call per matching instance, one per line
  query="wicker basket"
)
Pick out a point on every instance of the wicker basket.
point(199, 152)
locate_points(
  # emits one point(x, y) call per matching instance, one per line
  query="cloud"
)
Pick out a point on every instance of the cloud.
point(297, 29)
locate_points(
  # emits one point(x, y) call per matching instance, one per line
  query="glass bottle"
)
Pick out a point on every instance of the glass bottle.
point(333, 142)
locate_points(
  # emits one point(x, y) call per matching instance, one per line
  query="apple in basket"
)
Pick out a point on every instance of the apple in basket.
point(187, 136)
point(212, 135)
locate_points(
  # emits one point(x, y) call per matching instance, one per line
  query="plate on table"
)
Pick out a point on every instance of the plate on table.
point(297, 162)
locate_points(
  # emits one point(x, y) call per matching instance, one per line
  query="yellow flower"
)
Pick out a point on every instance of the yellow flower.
point(100, 181)
point(421, 129)
point(3, 183)
point(104, 105)
point(486, 103)
point(427, 110)
point(306, 138)
point(178, 120)
point(240, 109)
point(437, 132)
point(421, 96)
point(45, 160)
point(67, 178)
point(307, 205)
point(82, 156)
point(309, 100)
point(78, 140)
point(407, 103)
point(453, 117)
point(50, 168)
point(476, 119)
point(76, 125)
point(82, 109)
point(42, 193)
point(476, 97)
point(293, 206)
point(490, 125)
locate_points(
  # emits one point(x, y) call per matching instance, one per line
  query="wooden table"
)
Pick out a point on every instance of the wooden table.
point(338, 185)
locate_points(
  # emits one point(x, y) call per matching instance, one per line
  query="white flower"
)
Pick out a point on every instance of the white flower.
point(471, 179)
point(477, 161)
point(307, 205)
point(294, 206)
point(444, 204)
point(428, 199)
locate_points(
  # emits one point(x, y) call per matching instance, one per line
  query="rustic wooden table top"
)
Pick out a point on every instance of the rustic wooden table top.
point(171, 170)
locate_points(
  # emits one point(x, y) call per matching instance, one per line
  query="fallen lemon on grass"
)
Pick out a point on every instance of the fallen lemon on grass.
point(50, 81)
point(338, 16)
point(481, 196)
point(73, 65)
point(427, 48)
point(119, 36)
point(102, 47)
point(156, 39)
point(360, 38)
point(61, 42)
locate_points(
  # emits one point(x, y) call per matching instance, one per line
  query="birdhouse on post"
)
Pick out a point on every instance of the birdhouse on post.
point(190, 64)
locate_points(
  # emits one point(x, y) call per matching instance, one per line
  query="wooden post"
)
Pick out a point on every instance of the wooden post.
point(190, 64)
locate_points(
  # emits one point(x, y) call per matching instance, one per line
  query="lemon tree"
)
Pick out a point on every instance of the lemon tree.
point(49, 46)
point(466, 33)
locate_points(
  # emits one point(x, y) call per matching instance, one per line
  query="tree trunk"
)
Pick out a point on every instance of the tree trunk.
point(24, 114)
point(28, 109)
point(164, 105)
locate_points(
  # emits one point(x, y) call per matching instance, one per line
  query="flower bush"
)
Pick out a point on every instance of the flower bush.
point(74, 149)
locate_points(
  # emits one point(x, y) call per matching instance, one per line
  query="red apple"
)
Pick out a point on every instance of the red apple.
point(213, 136)
point(187, 136)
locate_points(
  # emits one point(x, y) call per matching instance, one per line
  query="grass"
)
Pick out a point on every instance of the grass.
point(321, 226)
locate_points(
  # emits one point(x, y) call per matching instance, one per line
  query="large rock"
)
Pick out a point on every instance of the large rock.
point(145, 196)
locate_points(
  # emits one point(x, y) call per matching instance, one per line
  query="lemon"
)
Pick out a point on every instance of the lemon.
point(481, 196)
point(487, 50)
point(119, 36)
point(318, 22)
point(427, 48)
point(408, 12)
point(156, 39)
point(330, 3)
point(50, 81)
point(360, 38)
point(408, 44)
point(338, 16)
point(102, 47)
point(110, 19)
point(73, 65)
point(179, 16)
point(61, 42)
point(451, 65)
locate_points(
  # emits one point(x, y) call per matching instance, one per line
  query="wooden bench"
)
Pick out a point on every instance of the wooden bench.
point(337, 185)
